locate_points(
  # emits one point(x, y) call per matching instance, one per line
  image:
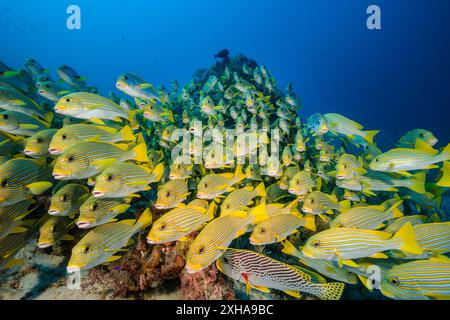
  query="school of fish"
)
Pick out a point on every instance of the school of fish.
point(329, 209)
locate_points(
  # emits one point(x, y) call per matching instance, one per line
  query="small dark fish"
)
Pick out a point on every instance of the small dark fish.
point(222, 54)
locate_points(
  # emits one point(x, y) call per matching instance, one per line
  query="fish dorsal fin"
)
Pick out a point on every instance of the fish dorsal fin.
point(422, 145)
point(381, 234)
point(315, 277)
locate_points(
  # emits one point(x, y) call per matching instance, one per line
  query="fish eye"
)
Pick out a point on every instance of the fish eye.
point(63, 197)
point(125, 77)
point(201, 250)
point(312, 200)
point(39, 140)
point(52, 228)
point(94, 206)
point(262, 231)
point(168, 194)
point(225, 259)
point(85, 249)
point(162, 227)
point(5, 116)
point(70, 158)
point(4, 183)
point(377, 159)
point(64, 136)
point(151, 107)
point(67, 100)
point(205, 185)
point(109, 177)
point(395, 281)
point(422, 135)
point(316, 244)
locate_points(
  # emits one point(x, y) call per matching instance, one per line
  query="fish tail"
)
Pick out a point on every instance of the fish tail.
point(418, 182)
point(446, 152)
point(329, 291)
point(126, 134)
point(394, 212)
point(344, 205)
point(309, 222)
point(290, 249)
point(144, 221)
point(259, 213)
point(261, 190)
point(140, 153)
point(408, 239)
point(369, 135)
point(445, 179)
point(158, 171)
point(239, 175)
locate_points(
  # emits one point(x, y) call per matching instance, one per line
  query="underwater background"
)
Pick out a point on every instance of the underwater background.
point(392, 79)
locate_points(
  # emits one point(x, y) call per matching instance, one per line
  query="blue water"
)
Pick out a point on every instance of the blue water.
point(394, 79)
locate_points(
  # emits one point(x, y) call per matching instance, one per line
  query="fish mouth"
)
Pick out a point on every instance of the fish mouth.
point(59, 176)
point(172, 177)
point(340, 176)
point(291, 191)
point(44, 245)
point(306, 210)
point(191, 270)
point(83, 224)
point(41, 92)
point(74, 268)
point(29, 152)
point(119, 85)
point(202, 196)
point(97, 193)
point(152, 241)
point(160, 206)
point(53, 212)
point(54, 151)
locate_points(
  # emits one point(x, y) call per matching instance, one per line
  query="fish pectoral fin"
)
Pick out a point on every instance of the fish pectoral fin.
point(350, 263)
point(293, 293)
point(405, 173)
point(104, 162)
point(379, 255)
point(262, 289)
point(68, 237)
point(437, 296)
point(28, 126)
point(365, 282)
point(13, 262)
point(92, 139)
point(19, 229)
point(37, 188)
point(134, 195)
point(96, 121)
point(112, 258)
point(120, 208)
point(137, 183)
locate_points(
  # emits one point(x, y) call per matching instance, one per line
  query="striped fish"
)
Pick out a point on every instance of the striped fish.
point(214, 185)
point(9, 144)
point(171, 194)
point(54, 230)
point(217, 235)
point(367, 217)
point(20, 178)
point(67, 200)
point(85, 105)
point(77, 133)
point(10, 246)
point(418, 280)
point(432, 238)
point(88, 159)
point(301, 184)
point(287, 176)
point(318, 203)
point(21, 124)
point(339, 124)
point(98, 211)
point(238, 200)
point(344, 244)
point(277, 227)
point(11, 216)
point(404, 159)
point(37, 145)
point(100, 244)
point(325, 267)
point(124, 179)
point(181, 168)
point(348, 167)
point(13, 100)
point(262, 272)
point(394, 226)
point(378, 181)
point(179, 222)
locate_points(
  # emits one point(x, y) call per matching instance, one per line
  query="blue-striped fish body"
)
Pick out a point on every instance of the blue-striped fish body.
point(67, 200)
point(21, 178)
point(344, 244)
point(17, 123)
point(11, 216)
point(98, 211)
point(100, 244)
point(418, 280)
